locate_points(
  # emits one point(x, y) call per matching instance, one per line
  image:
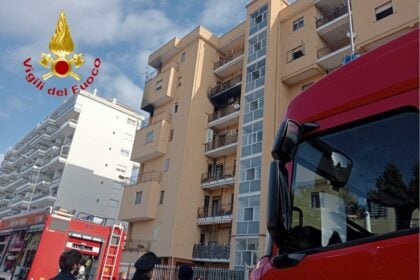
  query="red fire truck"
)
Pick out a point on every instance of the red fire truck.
point(31, 244)
point(344, 183)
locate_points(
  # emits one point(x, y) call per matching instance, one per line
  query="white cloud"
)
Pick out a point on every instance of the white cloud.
point(222, 14)
point(1, 157)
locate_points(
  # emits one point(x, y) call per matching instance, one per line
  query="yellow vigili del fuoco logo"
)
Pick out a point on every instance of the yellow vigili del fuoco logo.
point(61, 44)
point(61, 63)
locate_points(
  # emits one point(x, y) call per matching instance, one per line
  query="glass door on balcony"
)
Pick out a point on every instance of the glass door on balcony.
point(206, 205)
point(219, 171)
point(216, 206)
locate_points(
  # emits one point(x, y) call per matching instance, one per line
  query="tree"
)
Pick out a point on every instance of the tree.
point(393, 192)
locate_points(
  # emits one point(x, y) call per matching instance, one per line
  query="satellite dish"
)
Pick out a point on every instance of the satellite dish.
point(235, 106)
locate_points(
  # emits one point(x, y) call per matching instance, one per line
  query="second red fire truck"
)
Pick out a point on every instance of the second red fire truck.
point(31, 244)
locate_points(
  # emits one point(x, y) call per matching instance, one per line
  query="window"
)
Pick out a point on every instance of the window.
point(295, 53)
point(372, 199)
point(121, 168)
point(127, 137)
point(166, 165)
point(171, 135)
point(315, 199)
point(113, 203)
point(248, 214)
point(183, 57)
point(175, 107)
point(149, 137)
point(179, 81)
point(137, 199)
point(117, 185)
point(159, 84)
point(124, 152)
point(297, 24)
point(162, 197)
point(131, 121)
point(384, 10)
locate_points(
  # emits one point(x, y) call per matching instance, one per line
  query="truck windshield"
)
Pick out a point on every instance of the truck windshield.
point(380, 195)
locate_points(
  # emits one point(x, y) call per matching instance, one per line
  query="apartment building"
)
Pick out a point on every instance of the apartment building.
point(216, 104)
point(74, 159)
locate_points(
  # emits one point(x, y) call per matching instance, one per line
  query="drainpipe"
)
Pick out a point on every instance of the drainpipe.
point(351, 27)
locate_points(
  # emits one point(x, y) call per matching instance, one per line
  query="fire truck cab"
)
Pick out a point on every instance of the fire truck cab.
point(31, 244)
point(344, 183)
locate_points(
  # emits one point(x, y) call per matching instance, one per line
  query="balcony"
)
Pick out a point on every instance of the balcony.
point(152, 140)
point(42, 199)
point(159, 90)
point(218, 179)
point(334, 24)
point(225, 91)
point(230, 63)
point(13, 185)
point(331, 56)
point(5, 211)
point(40, 185)
point(21, 202)
point(221, 146)
point(219, 215)
point(211, 252)
point(146, 209)
point(5, 199)
point(225, 117)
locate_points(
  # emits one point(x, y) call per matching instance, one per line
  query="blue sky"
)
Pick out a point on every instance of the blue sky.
point(122, 33)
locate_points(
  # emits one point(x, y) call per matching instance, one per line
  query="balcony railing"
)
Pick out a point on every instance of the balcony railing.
point(224, 112)
point(333, 47)
point(212, 251)
point(137, 245)
point(221, 142)
point(151, 75)
point(157, 118)
point(228, 58)
point(338, 12)
point(150, 176)
point(206, 212)
point(225, 86)
point(227, 173)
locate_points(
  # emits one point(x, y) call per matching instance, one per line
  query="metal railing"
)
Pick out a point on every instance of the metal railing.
point(228, 172)
point(228, 58)
point(225, 86)
point(150, 176)
point(137, 245)
point(338, 12)
point(224, 112)
point(163, 116)
point(333, 47)
point(170, 272)
point(211, 251)
point(150, 75)
point(221, 142)
point(206, 212)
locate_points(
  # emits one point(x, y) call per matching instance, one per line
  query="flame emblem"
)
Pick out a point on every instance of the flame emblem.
point(61, 45)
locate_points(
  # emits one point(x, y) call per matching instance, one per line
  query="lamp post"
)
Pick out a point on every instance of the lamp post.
point(35, 183)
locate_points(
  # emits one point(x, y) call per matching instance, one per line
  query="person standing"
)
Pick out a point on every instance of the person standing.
point(185, 272)
point(69, 264)
point(144, 266)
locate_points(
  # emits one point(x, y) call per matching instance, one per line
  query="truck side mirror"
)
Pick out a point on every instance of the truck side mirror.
point(279, 207)
point(286, 141)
